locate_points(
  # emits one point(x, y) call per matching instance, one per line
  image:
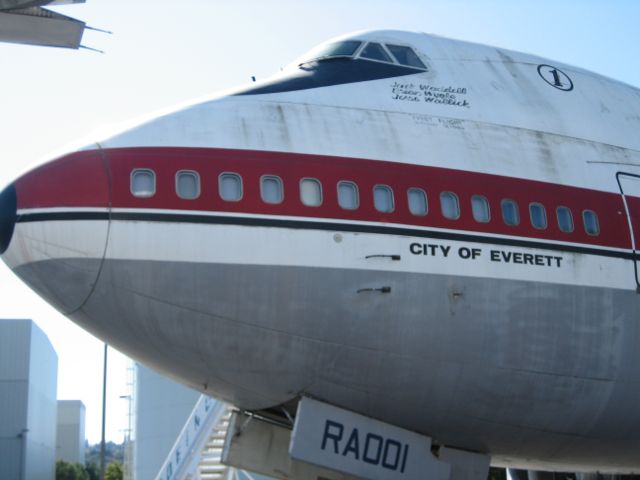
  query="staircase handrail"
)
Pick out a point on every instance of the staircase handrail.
point(186, 451)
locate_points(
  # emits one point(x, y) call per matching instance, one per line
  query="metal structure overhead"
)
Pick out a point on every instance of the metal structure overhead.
point(15, 4)
point(27, 22)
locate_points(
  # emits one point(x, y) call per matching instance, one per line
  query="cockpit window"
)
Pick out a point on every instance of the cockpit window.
point(394, 54)
point(374, 51)
point(405, 56)
point(337, 49)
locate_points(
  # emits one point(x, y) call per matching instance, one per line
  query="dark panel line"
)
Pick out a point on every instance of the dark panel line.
point(55, 216)
point(314, 225)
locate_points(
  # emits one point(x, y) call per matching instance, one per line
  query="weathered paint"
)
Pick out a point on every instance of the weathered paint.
point(515, 342)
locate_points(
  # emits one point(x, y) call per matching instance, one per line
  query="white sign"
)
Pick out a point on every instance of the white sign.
point(357, 445)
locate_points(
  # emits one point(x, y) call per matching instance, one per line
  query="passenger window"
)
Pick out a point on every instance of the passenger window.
point(406, 56)
point(348, 195)
point(510, 212)
point(374, 51)
point(480, 208)
point(565, 219)
point(591, 224)
point(538, 216)
point(450, 205)
point(310, 192)
point(188, 184)
point(383, 198)
point(417, 201)
point(271, 189)
point(143, 183)
point(230, 187)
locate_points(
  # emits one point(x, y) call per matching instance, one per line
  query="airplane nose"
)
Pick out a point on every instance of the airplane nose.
point(8, 211)
point(56, 243)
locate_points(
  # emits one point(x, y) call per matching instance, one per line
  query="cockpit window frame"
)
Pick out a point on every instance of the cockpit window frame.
point(353, 55)
point(393, 59)
point(424, 68)
point(364, 46)
point(357, 54)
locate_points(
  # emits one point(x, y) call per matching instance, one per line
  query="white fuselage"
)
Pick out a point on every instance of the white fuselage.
point(518, 340)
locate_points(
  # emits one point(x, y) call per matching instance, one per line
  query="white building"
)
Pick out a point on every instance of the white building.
point(28, 386)
point(162, 408)
point(70, 438)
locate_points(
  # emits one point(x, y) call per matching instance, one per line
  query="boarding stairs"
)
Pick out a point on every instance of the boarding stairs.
point(197, 452)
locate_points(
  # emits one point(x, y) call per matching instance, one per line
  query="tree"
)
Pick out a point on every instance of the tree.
point(114, 471)
point(113, 451)
point(93, 471)
point(70, 471)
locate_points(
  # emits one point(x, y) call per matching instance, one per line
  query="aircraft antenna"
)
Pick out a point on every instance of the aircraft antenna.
point(91, 48)
point(108, 32)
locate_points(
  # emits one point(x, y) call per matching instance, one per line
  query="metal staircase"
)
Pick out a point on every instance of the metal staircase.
point(210, 466)
point(197, 453)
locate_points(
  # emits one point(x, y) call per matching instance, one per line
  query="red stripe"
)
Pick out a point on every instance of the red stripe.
point(75, 180)
point(251, 165)
point(79, 180)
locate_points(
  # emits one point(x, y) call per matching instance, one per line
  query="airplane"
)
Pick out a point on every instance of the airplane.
point(439, 235)
point(27, 22)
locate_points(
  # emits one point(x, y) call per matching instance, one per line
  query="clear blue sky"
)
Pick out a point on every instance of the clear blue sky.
point(164, 52)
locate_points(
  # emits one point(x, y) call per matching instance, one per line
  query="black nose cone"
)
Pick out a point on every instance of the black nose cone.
point(8, 213)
